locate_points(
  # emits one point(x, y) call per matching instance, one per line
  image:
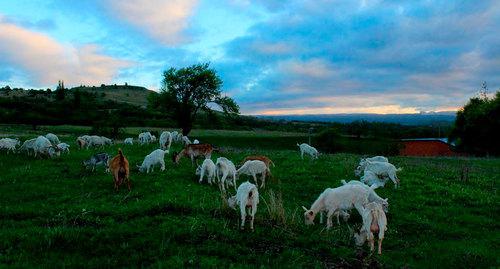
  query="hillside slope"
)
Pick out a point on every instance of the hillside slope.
point(134, 95)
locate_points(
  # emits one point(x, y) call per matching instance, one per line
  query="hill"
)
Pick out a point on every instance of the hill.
point(134, 95)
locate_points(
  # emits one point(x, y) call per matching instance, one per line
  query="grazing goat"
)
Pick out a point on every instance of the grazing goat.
point(207, 168)
point(83, 141)
point(9, 144)
point(374, 221)
point(145, 138)
point(362, 163)
point(247, 197)
point(175, 136)
point(28, 146)
point(334, 201)
point(63, 147)
point(193, 151)
point(383, 170)
point(153, 158)
point(44, 147)
point(372, 195)
point(371, 179)
point(165, 140)
point(128, 141)
point(252, 168)
point(120, 169)
point(311, 151)
point(54, 140)
point(97, 159)
point(226, 168)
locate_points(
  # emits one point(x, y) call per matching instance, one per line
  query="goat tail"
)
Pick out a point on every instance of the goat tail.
point(399, 169)
point(122, 158)
point(298, 145)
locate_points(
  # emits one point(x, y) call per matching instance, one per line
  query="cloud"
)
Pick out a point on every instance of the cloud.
point(163, 20)
point(384, 50)
point(46, 61)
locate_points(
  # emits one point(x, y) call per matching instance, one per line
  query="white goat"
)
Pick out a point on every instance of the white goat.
point(28, 146)
point(253, 168)
point(372, 195)
point(383, 170)
point(9, 144)
point(44, 147)
point(52, 138)
point(106, 140)
point(334, 201)
point(226, 168)
point(208, 169)
point(247, 196)
point(153, 158)
point(311, 151)
point(165, 140)
point(362, 163)
point(95, 141)
point(145, 138)
point(175, 135)
point(63, 147)
point(374, 221)
point(128, 141)
point(371, 179)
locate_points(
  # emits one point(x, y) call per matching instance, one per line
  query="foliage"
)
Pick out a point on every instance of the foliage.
point(187, 91)
point(477, 126)
point(60, 91)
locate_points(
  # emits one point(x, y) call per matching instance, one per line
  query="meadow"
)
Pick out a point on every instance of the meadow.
point(54, 213)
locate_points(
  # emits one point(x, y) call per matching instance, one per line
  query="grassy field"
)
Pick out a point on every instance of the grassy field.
point(53, 213)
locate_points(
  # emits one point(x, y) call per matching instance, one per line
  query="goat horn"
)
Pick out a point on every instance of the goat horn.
point(305, 209)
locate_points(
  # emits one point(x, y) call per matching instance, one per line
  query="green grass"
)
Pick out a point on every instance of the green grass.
point(53, 213)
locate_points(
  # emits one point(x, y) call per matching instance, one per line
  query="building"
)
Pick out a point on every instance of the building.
point(427, 147)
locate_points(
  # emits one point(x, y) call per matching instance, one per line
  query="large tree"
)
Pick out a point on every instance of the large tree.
point(189, 90)
point(477, 125)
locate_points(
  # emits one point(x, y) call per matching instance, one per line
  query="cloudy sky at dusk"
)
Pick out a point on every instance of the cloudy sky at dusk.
point(275, 57)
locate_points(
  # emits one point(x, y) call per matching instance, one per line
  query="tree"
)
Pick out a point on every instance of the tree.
point(477, 125)
point(189, 90)
point(60, 90)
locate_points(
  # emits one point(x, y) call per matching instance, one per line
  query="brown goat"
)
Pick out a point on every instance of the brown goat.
point(262, 158)
point(193, 151)
point(120, 169)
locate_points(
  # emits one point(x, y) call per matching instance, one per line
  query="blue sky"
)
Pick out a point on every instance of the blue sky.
point(275, 57)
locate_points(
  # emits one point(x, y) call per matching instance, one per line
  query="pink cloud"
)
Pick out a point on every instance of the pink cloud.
point(164, 20)
point(46, 61)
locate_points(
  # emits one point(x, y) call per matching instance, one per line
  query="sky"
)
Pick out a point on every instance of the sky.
point(274, 56)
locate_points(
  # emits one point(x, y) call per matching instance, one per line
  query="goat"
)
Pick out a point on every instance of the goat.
point(253, 168)
point(155, 157)
point(310, 150)
point(207, 168)
point(120, 169)
point(336, 200)
point(247, 197)
point(193, 151)
point(374, 221)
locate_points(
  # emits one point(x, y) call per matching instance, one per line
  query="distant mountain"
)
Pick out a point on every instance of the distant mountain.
point(405, 119)
point(134, 95)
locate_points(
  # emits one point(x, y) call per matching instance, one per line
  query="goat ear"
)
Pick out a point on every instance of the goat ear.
point(386, 199)
point(305, 209)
